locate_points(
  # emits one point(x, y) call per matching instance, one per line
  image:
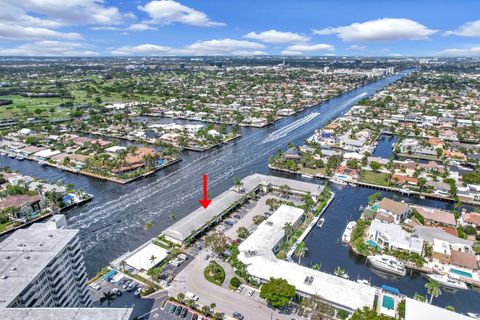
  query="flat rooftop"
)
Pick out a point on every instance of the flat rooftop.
point(65, 313)
point(182, 229)
point(256, 252)
point(417, 310)
point(25, 253)
point(141, 260)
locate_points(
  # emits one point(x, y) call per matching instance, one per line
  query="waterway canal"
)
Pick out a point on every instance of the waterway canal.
point(112, 223)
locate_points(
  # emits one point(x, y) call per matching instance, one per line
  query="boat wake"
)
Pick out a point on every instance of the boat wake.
point(280, 133)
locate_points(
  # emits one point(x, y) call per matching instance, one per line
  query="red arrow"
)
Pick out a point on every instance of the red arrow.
point(205, 202)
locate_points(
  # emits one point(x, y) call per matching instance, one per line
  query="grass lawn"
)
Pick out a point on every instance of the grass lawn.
point(214, 273)
point(322, 171)
point(23, 107)
point(377, 178)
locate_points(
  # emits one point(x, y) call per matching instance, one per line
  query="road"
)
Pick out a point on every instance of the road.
point(227, 301)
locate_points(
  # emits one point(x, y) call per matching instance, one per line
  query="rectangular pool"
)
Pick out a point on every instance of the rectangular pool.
point(461, 273)
point(388, 303)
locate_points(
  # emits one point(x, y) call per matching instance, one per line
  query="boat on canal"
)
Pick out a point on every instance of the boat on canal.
point(388, 264)
point(347, 234)
point(448, 281)
point(320, 222)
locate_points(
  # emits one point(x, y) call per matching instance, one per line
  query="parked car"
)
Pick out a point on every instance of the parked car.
point(117, 291)
point(195, 316)
point(95, 286)
point(138, 291)
point(126, 284)
point(173, 308)
point(250, 292)
point(184, 313)
point(240, 289)
point(237, 216)
point(191, 296)
point(207, 257)
point(228, 223)
point(132, 286)
point(238, 315)
point(179, 310)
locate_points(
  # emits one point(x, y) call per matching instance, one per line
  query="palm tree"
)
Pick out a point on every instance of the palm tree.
point(433, 289)
point(339, 272)
point(109, 297)
point(40, 189)
point(288, 228)
point(307, 198)
point(152, 259)
point(301, 251)
point(147, 226)
point(237, 183)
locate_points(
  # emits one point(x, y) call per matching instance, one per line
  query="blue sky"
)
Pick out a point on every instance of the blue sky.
point(239, 27)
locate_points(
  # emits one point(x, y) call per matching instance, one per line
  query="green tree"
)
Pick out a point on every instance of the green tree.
point(277, 292)
point(108, 297)
point(301, 251)
point(433, 289)
point(367, 314)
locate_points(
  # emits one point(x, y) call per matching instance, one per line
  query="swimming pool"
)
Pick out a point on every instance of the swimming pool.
point(461, 273)
point(388, 303)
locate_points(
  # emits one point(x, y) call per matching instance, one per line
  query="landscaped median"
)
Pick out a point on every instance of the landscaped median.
point(214, 273)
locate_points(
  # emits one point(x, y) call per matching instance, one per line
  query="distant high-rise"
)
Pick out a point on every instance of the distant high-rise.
point(42, 266)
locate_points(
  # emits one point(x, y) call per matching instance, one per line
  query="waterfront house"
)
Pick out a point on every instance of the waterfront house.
point(436, 217)
point(441, 251)
point(404, 180)
point(392, 236)
point(470, 219)
point(398, 210)
point(346, 174)
point(20, 207)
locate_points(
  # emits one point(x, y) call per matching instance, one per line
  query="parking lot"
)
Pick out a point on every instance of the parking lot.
point(141, 306)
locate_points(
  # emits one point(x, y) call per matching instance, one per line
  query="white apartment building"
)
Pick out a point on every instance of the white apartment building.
point(42, 266)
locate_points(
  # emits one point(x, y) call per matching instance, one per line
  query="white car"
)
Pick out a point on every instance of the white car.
point(95, 286)
point(191, 296)
point(239, 289)
point(250, 292)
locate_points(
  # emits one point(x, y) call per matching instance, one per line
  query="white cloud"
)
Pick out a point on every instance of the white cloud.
point(469, 29)
point(19, 32)
point(300, 49)
point(460, 52)
point(387, 29)
point(222, 46)
point(274, 36)
point(169, 11)
point(50, 48)
point(291, 53)
point(39, 19)
point(139, 27)
point(144, 49)
point(68, 12)
point(208, 47)
point(356, 47)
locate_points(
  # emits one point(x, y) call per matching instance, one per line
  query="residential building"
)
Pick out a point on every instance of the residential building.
point(42, 266)
point(399, 210)
point(434, 216)
point(392, 236)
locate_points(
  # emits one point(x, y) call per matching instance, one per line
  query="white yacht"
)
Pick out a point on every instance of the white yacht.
point(348, 232)
point(448, 281)
point(307, 176)
point(320, 222)
point(388, 264)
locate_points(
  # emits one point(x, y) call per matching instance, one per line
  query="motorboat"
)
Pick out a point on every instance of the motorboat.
point(19, 157)
point(348, 232)
point(307, 176)
point(448, 281)
point(363, 281)
point(473, 315)
point(388, 264)
point(320, 222)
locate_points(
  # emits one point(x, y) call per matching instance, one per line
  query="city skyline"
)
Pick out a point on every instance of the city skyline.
point(189, 28)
